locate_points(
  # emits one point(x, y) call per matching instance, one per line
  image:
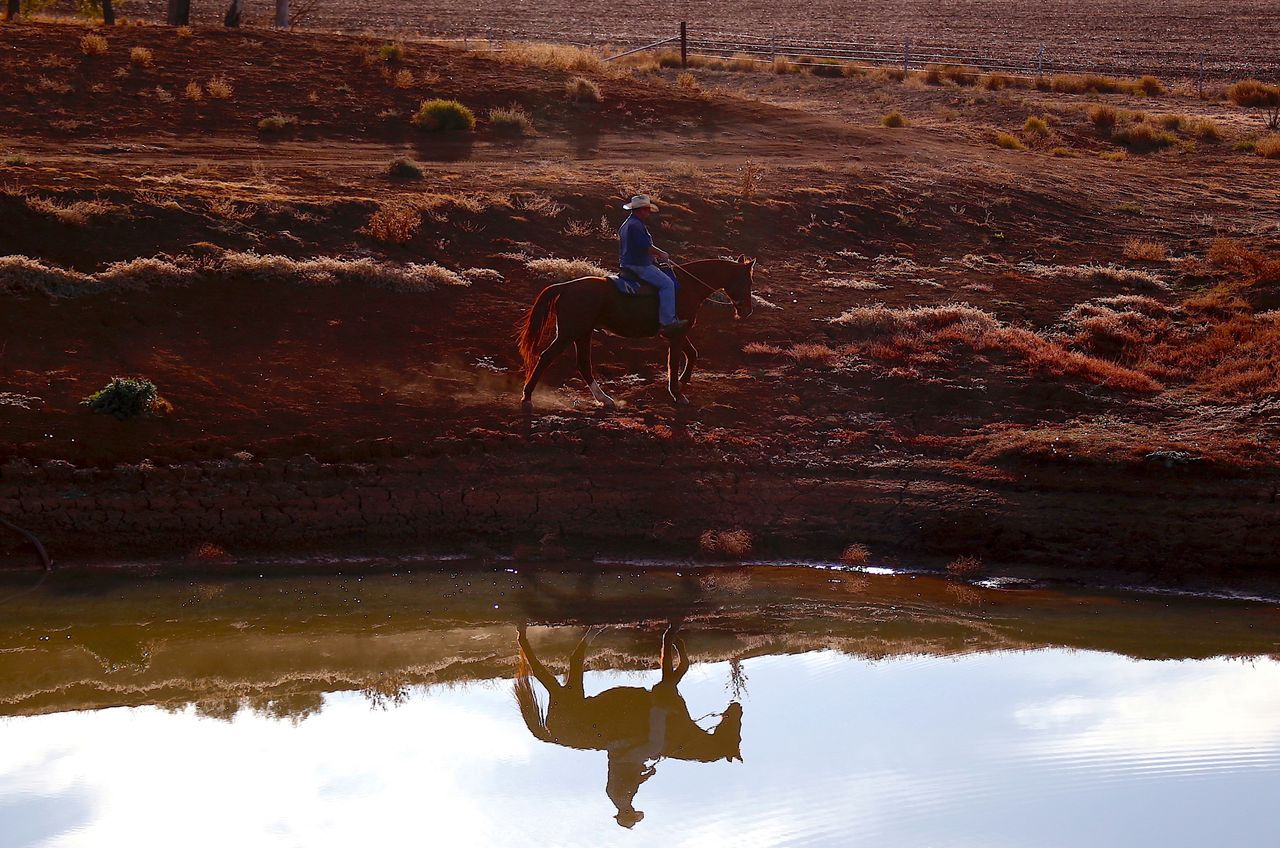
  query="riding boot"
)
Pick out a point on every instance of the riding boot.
point(675, 328)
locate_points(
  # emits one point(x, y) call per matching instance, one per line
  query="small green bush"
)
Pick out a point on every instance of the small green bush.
point(392, 54)
point(444, 116)
point(125, 397)
point(277, 123)
point(404, 169)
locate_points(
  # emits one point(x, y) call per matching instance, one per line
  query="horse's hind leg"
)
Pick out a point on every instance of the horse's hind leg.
point(690, 357)
point(675, 355)
point(583, 346)
point(553, 350)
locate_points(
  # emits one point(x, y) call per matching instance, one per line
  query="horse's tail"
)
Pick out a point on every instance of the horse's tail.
point(534, 326)
point(533, 713)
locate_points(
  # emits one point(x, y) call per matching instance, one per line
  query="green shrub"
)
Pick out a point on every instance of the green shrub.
point(392, 54)
point(444, 116)
point(277, 123)
point(404, 169)
point(125, 397)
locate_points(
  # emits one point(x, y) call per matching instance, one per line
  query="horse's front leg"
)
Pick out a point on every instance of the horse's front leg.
point(690, 358)
point(675, 358)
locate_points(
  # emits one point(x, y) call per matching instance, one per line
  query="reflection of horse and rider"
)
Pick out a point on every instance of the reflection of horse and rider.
point(637, 727)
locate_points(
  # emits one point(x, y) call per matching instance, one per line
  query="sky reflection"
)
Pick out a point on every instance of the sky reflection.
point(1046, 748)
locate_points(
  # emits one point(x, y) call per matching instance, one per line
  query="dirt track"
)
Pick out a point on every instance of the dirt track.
point(929, 454)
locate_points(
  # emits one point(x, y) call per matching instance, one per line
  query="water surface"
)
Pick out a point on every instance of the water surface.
point(815, 709)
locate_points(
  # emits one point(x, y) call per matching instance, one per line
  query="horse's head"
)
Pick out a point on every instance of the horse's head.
point(738, 286)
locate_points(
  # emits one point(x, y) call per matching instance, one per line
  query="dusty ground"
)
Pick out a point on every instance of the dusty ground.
point(1042, 424)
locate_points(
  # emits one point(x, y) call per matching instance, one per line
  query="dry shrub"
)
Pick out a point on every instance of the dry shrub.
point(404, 168)
point(727, 544)
point(998, 82)
point(1061, 152)
point(830, 68)
point(1114, 327)
point(93, 45)
point(44, 85)
point(1268, 147)
point(744, 63)
point(556, 57)
point(163, 94)
point(783, 65)
point(20, 274)
point(855, 554)
point(141, 57)
point(1205, 129)
point(1172, 122)
point(403, 79)
point(392, 54)
point(926, 331)
point(1008, 141)
point(565, 269)
point(761, 349)
point(1036, 127)
point(1143, 137)
point(814, 353)
point(965, 567)
point(687, 82)
point(1087, 84)
point(76, 213)
point(184, 32)
point(219, 88)
point(1103, 117)
point(582, 90)
point(952, 74)
point(1150, 86)
point(1252, 94)
point(1113, 155)
point(1145, 250)
point(511, 120)
point(193, 92)
point(893, 119)
point(538, 204)
point(395, 223)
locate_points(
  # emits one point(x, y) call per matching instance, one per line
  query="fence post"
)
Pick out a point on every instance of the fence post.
point(1040, 63)
point(684, 45)
point(906, 57)
point(1200, 78)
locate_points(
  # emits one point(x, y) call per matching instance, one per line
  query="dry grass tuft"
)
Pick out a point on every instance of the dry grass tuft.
point(1103, 117)
point(1143, 137)
point(1268, 147)
point(1150, 86)
point(511, 120)
point(403, 79)
point(1145, 250)
point(818, 354)
point(1037, 127)
point(951, 75)
point(184, 32)
point(582, 90)
point(856, 554)
point(141, 57)
point(761, 349)
point(219, 88)
point(565, 269)
point(77, 213)
point(193, 92)
point(277, 123)
point(93, 45)
point(1205, 129)
point(893, 119)
point(394, 223)
point(965, 567)
point(688, 82)
point(727, 544)
point(1252, 94)
point(555, 57)
point(1008, 141)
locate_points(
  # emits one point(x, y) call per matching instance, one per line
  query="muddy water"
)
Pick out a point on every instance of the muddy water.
point(815, 708)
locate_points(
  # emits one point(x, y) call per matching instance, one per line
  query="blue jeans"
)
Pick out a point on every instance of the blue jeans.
point(664, 281)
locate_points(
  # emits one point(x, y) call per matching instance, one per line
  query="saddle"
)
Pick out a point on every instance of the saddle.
point(629, 284)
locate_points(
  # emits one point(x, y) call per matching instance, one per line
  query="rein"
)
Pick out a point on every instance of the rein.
point(694, 277)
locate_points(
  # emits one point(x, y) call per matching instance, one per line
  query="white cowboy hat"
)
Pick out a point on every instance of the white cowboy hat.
point(641, 201)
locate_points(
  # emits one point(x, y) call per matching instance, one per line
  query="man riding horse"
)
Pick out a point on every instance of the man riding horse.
point(636, 255)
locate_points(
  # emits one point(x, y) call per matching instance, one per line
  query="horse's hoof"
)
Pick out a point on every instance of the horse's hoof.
point(680, 400)
point(526, 406)
point(610, 406)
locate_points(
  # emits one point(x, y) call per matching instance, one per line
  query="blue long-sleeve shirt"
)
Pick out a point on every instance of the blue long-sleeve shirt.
point(634, 242)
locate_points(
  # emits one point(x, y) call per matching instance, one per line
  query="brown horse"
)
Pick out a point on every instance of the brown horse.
point(588, 303)
point(632, 725)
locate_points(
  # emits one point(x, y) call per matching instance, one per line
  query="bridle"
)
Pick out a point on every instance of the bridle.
point(711, 290)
